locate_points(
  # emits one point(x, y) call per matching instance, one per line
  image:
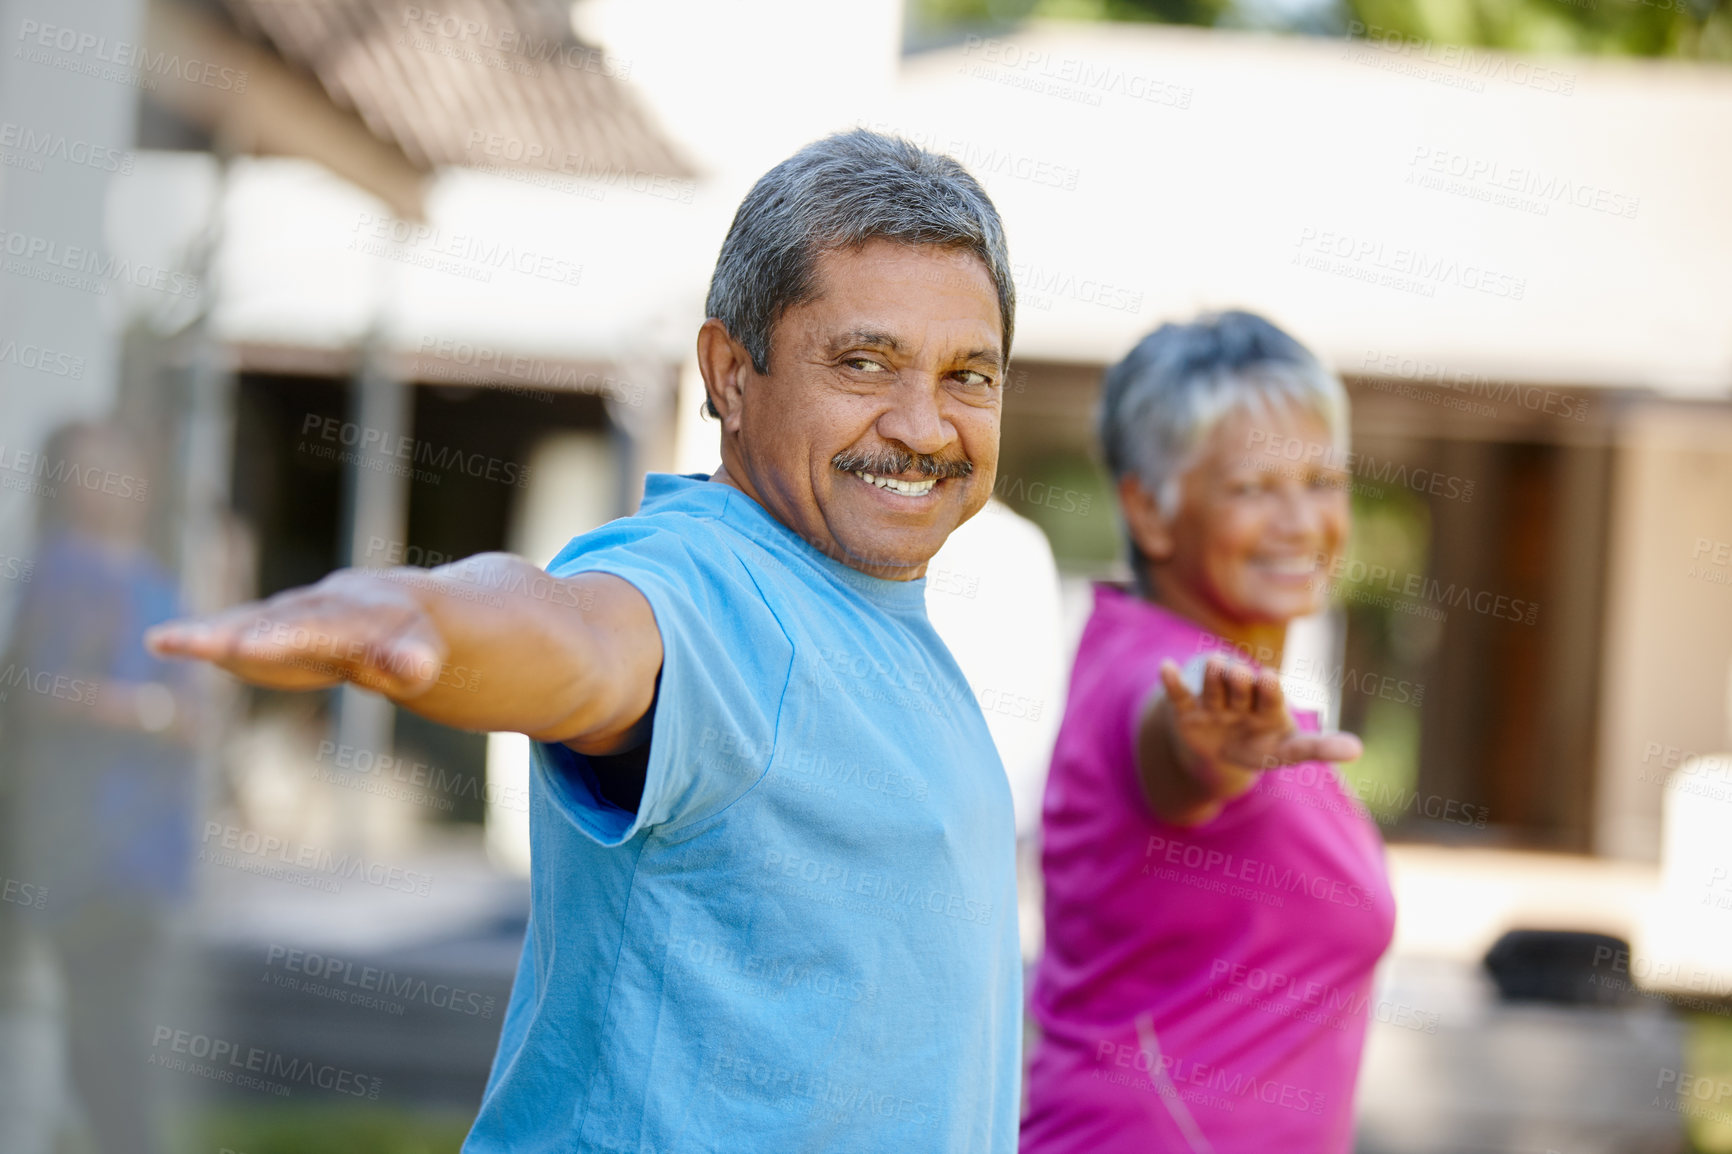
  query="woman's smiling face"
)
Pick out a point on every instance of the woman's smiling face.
point(1255, 532)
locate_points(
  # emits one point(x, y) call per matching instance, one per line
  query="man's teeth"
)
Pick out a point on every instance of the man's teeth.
point(906, 488)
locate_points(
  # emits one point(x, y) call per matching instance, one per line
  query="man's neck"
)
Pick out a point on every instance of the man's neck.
point(722, 475)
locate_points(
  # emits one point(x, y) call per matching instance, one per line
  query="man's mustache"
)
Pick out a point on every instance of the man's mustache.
point(895, 462)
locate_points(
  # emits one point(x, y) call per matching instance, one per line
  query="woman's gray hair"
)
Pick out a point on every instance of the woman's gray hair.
point(837, 193)
point(1159, 404)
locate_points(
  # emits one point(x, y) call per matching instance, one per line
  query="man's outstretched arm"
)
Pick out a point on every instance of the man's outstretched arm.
point(487, 643)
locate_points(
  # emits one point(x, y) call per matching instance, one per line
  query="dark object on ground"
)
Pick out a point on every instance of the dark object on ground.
point(1562, 966)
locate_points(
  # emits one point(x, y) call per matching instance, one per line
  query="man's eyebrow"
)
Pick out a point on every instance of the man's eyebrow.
point(992, 358)
point(872, 338)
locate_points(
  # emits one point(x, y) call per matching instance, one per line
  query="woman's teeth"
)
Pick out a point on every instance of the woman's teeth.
point(906, 488)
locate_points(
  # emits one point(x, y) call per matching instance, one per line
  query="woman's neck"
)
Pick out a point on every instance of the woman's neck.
point(1262, 640)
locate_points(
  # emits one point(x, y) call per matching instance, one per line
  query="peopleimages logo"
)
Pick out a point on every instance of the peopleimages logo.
point(368, 987)
point(252, 852)
point(86, 269)
point(252, 1067)
point(1473, 386)
point(1287, 995)
point(1219, 1079)
point(1628, 971)
point(462, 254)
point(1701, 1087)
point(1372, 260)
point(463, 362)
point(45, 683)
point(1013, 489)
point(761, 974)
point(533, 47)
point(47, 472)
point(1455, 65)
point(1363, 577)
point(1519, 186)
point(840, 1100)
point(1297, 451)
point(1686, 769)
point(1310, 681)
point(402, 447)
point(1193, 859)
point(982, 161)
point(22, 893)
point(43, 360)
point(590, 176)
point(38, 146)
point(881, 891)
point(1042, 285)
point(1070, 77)
point(403, 779)
point(87, 54)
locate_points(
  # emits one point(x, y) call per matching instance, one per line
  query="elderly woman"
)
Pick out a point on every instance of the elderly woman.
point(1215, 906)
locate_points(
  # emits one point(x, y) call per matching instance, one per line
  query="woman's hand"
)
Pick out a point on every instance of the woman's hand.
point(1200, 748)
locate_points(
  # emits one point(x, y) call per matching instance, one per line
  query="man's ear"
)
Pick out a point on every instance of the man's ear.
point(1151, 529)
point(726, 367)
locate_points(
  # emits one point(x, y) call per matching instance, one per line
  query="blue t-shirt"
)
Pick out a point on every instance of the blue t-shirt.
point(805, 937)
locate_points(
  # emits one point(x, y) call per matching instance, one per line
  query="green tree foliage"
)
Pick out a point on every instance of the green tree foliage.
point(1700, 29)
point(998, 13)
point(1689, 28)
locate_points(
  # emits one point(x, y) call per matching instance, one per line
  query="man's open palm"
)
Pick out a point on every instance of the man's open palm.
point(348, 627)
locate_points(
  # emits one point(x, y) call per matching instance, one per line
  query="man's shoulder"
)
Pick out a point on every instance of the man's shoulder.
point(676, 541)
point(684, 513)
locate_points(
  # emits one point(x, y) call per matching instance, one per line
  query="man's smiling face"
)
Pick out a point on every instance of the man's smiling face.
point(875, 432)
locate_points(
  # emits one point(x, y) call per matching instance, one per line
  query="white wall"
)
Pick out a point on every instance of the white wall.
point(1668, 653)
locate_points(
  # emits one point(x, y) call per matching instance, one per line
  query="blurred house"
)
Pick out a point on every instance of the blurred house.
point(488, 229)
point(1542, 458)
point(384, 283)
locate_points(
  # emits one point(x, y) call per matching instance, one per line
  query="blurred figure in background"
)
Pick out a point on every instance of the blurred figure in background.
point(96, 784)
point(1216, 902)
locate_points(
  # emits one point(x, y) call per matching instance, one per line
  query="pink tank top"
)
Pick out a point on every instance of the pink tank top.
point(1203, 989)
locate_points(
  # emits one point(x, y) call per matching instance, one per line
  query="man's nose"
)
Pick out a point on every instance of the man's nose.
point(914, 419)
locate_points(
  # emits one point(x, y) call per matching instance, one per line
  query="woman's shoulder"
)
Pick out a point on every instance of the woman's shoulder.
point(1125, 631)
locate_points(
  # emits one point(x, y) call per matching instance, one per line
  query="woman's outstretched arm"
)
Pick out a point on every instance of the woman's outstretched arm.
point(1199, 749)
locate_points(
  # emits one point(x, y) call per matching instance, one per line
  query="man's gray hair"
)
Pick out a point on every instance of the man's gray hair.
point(838, 193)
point(1159, 404)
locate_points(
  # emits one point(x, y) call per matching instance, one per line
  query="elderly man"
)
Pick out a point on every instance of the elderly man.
point(773, 902)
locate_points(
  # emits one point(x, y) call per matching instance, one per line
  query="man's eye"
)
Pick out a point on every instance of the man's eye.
point(975, 380)
point(864, 364)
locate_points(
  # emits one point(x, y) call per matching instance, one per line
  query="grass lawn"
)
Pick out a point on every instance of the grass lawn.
point(325, 1129)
